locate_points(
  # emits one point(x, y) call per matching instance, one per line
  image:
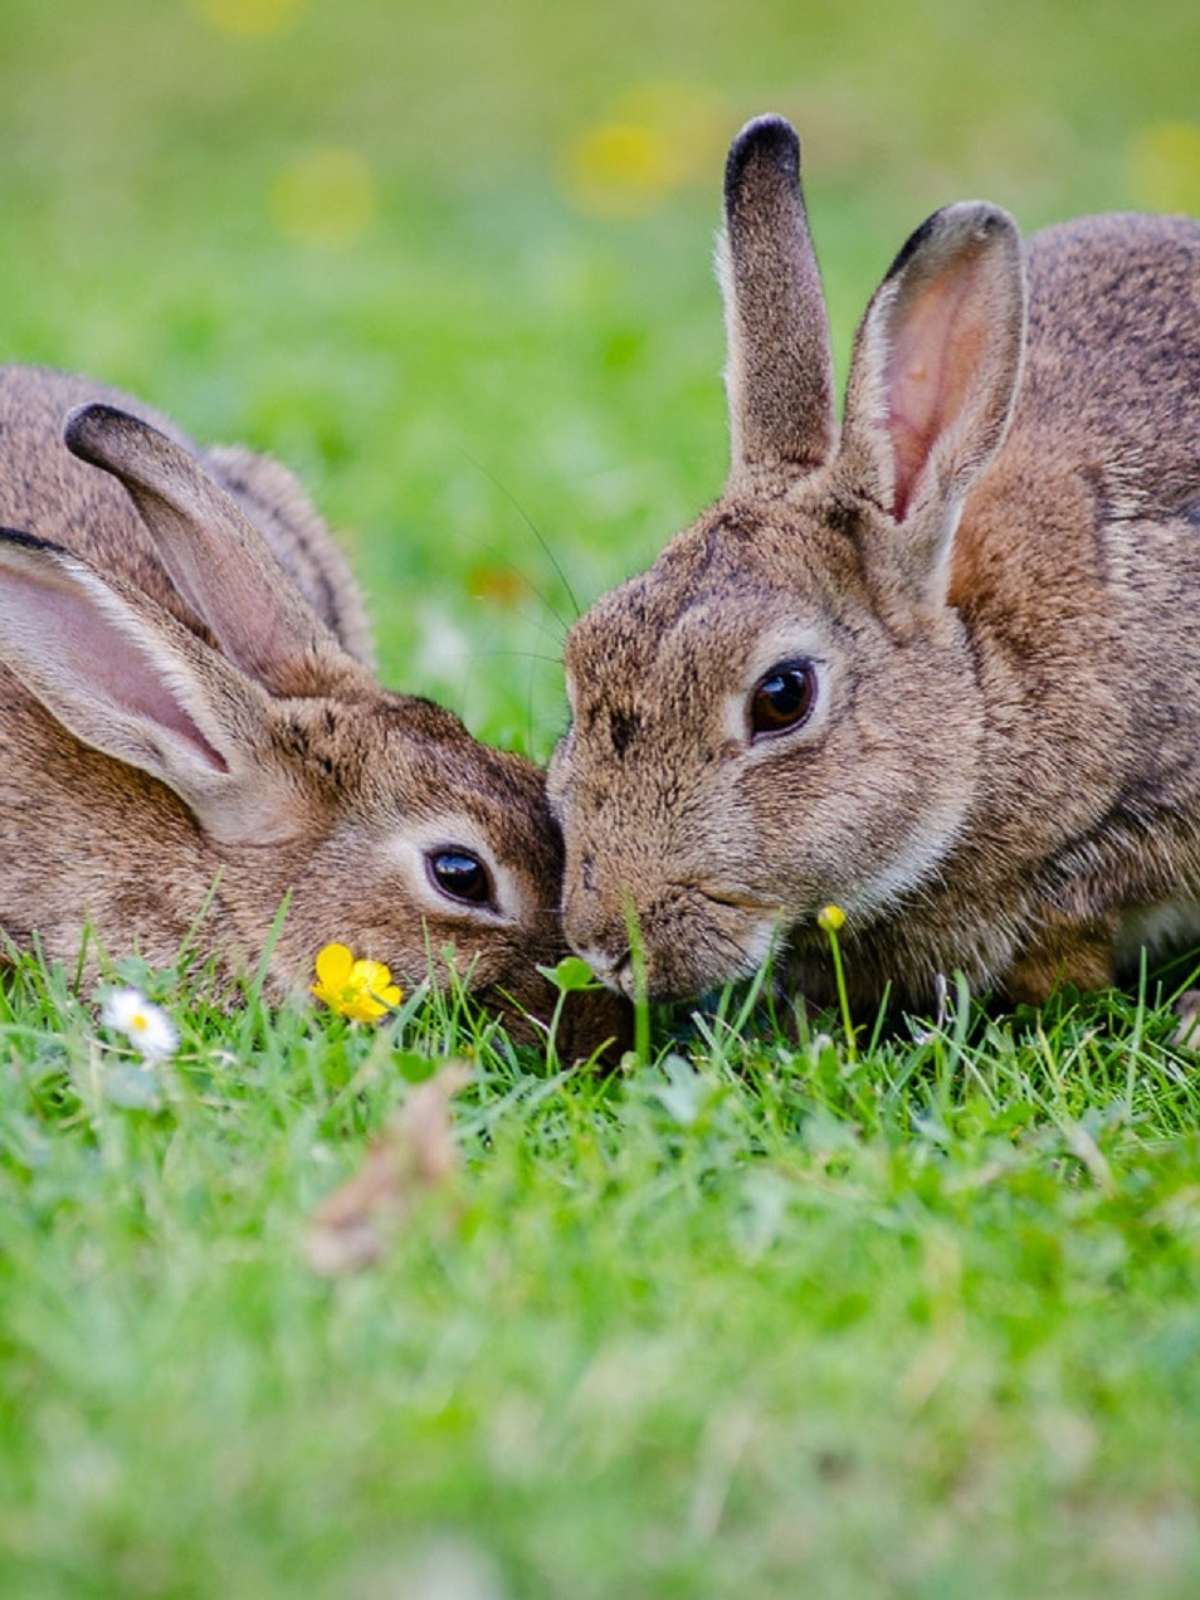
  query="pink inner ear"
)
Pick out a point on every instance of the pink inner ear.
point(937, 339)
point(96, 662)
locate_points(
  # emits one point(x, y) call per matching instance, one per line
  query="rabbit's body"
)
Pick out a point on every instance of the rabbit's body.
point(1077, 577)
point(188, 733)
point(993, 754)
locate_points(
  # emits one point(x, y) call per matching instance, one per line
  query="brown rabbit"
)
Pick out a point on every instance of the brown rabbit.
point(940, 666)
point(177, 714)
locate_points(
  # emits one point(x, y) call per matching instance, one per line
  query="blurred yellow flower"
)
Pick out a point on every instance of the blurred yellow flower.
point(1164, 166)
point(619, 169)
point(249, 19)
point(655, 138)
point(360, 990)
point(324, 197)
point(832, 919)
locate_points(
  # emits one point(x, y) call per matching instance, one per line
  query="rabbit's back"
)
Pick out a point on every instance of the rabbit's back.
point(1089, 511)
point(1112, 372)
point(69, 812)
point(66, 811)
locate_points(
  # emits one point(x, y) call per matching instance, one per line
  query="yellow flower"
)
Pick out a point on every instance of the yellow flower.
point(831, 918)
point(360, 990)
point(620, 169)
point(654, 139)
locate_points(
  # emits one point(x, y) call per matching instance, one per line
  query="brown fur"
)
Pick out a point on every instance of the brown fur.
point(1004, 765)
point(293, 774)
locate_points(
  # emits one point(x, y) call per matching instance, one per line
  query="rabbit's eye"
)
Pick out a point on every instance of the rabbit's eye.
point(460, 875)
point(783, 698)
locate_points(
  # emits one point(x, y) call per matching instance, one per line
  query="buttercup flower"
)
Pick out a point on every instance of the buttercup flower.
point(360, 990)
point(145, 1025)
point(831, 919)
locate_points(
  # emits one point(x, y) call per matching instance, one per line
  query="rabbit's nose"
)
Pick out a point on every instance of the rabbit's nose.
point(599, 938)
point(614, 968)
point(597, 926)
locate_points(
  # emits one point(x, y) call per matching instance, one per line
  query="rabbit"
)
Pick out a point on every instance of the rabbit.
point(939, 665)
point(190, 730)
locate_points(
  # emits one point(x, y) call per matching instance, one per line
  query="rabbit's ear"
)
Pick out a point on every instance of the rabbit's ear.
point(128, 680)
point(937, 361)
point(779, 372)
point(216, 558)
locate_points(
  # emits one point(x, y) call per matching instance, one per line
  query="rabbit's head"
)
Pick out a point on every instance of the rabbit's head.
point(784, 711)
point(252, 752)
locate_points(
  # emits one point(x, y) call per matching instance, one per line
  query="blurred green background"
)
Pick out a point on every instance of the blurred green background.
point(761, 1325)
point(453, 263)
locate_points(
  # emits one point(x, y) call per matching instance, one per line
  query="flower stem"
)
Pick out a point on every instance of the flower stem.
point(843, 998)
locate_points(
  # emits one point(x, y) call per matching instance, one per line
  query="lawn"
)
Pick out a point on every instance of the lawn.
point(757, 1315)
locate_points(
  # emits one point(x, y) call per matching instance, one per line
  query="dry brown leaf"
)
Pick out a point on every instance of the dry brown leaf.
point(414, 1154)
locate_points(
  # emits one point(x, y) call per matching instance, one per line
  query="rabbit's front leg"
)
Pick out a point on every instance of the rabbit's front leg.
point(1063, 950)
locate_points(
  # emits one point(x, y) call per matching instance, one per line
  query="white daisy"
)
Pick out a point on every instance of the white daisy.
point(144, 1024)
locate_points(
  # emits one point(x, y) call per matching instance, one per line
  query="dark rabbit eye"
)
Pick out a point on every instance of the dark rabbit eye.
point(783, 698)
point(460, 875)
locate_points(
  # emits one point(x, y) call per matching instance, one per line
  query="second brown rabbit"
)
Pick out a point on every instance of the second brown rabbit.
point(189, 725)
point(940, 664)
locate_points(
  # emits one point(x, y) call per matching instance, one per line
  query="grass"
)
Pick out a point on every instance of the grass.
point(751, 1317)
point(925, 1324)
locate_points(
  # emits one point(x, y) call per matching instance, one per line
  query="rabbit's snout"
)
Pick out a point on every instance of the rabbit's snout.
point(612, 963)
point(685, 936)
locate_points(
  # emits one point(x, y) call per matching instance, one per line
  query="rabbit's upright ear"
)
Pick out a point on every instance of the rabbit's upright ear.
point(934, 376)
point(779, 372)
point(130, 681)
point(216, 558)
